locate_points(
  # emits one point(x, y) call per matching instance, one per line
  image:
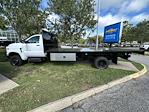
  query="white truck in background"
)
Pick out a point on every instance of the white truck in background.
point(3, 39)
point(5, 42)
point(145, 46)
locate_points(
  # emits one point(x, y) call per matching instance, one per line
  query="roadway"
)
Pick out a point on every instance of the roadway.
point(132, 96)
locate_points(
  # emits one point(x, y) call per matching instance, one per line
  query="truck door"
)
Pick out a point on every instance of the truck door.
point(34, 47)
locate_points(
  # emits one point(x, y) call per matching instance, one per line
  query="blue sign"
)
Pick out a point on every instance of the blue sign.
point(112, 33)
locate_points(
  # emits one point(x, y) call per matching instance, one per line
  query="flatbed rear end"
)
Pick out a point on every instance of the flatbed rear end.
point(104, 54)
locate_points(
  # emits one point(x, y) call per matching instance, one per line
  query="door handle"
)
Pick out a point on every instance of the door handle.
point(37, 45)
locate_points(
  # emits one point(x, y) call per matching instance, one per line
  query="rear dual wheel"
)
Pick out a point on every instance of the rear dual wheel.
point(101, 63)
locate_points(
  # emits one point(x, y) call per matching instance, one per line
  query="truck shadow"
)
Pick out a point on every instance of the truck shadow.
point(3, 57)
point(62, 63)
point(71, 63)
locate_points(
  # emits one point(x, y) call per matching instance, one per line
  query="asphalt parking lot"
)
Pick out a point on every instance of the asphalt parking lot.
point(132, 96)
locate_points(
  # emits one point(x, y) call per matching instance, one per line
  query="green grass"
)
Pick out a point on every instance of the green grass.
point(3, 57)
point(147, 53)
point(46, 82)
point(137, 65)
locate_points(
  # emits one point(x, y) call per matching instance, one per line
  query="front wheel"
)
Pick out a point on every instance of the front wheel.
point(101, 63)
point(16, 60)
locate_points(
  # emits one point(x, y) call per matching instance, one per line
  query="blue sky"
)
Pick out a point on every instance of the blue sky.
point(44, 4)
point(112, 11)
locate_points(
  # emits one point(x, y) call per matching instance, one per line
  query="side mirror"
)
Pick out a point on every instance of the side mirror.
point(26, 42)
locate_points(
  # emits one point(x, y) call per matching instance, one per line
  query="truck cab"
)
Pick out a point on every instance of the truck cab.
point(31, 48)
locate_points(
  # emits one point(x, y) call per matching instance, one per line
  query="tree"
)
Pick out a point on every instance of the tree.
point(23, 15)
point(75, 17)
point(3, 23)
point(82, 41)
point(140, 32)
point(126, 28)
point(92, 40)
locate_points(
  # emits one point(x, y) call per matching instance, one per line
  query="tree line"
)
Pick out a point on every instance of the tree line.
point(138, 32)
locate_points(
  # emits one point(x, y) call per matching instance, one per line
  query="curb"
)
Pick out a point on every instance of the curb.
point(68, 101)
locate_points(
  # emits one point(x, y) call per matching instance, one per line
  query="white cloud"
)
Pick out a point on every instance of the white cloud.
point(133, 6)
point(105, 4)
point(110, 19)
point(137, 5)
point(139, 18)
point(123, 6)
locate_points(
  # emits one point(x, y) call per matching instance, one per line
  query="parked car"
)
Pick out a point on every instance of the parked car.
point(135, 44)
point(145, 47)
point(116, 45)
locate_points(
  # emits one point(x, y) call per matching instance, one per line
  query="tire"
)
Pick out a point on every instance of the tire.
point(101, 63)
point(15, 60)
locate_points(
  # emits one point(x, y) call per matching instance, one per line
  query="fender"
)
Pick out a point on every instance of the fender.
point(11, 52)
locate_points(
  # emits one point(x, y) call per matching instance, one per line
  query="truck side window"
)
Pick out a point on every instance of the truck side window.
point(33, 40)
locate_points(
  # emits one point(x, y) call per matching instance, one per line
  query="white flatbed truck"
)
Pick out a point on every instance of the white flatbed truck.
point(45, 46)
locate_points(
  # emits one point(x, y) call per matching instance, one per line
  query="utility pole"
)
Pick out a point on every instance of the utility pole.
point(98, 15)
